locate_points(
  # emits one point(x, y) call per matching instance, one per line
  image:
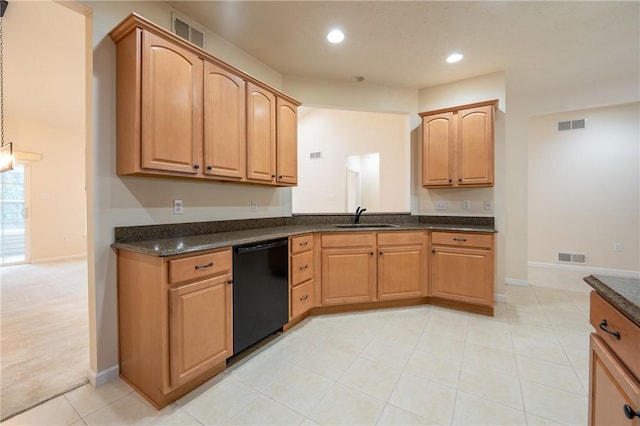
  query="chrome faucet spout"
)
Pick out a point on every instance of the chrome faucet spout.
point(359, 212)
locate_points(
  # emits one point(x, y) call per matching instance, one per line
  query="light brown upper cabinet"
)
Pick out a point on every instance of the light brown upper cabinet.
point(224, 123)
point(261, 134)
point(183, 113)
point(458, 146)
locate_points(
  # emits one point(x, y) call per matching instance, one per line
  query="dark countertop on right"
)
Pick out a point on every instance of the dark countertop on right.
point(621, 292)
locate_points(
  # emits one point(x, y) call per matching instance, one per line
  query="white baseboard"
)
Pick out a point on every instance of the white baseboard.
point(60, 258)
point(588, 270)
point(104, 376)
point(500, 297)
point(516, 281)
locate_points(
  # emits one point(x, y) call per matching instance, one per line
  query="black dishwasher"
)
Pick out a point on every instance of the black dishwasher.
point(260, 291)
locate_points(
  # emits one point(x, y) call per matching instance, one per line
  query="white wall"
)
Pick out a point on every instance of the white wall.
point(45, 114)
point(584, 187)
point(142, 201)
point(338, 134)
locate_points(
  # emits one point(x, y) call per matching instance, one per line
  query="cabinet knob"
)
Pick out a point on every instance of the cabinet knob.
point(450, 180)
point(196, 166)
point(630, 413)
point(305, 297)
point(380, 253)
point(209, 168)
point(230, 282)
point(272, 176)
point(280, 177)
point(433, 251)
point(460, 180)
point(371, 253)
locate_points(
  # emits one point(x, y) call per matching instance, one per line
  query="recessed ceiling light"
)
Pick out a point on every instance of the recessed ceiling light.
point(335, 36)
point(454, 57)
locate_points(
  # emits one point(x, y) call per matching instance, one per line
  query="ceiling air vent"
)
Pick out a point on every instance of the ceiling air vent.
point(187, 31)
point(572, 124)
point(572, 258)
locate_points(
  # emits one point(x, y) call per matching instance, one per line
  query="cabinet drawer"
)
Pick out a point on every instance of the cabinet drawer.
point(302, 243)
point(396, 238)
point(301, 267)
point(462, 239)
point(348, 239)
point(199, 266)
point(627, 347)
point(301, 299)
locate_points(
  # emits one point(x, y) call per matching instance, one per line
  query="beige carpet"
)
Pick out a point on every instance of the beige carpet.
point(45, 332)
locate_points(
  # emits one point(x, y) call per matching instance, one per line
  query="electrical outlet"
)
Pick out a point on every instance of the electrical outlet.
point(441, 205)
point(177, 207)
point(466, 204)
point(617, 247)
point(488, 205)
point(254, 206)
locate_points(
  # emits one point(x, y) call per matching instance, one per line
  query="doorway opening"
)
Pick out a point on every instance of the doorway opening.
point(14, 213)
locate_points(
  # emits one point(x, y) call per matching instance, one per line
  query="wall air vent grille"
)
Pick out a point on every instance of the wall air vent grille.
point(572, 124)
point(572, 258)
point(315, 155)
point(187, 31)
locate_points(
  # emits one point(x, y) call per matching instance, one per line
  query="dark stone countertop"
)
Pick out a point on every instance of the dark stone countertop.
point(623, 293)
point(163, 247)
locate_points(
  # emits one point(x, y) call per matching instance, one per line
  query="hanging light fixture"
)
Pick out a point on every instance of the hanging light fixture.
point(6, 149)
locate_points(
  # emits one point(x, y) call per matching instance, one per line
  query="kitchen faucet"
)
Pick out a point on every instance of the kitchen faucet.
point(359, 212)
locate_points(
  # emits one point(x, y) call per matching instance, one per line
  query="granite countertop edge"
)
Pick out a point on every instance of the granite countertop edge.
point(175, 246)
point(622, 293)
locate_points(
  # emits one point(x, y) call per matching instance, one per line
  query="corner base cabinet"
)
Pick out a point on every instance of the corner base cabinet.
point(174, 321)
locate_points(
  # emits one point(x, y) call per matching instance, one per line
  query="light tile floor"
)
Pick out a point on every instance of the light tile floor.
point(528, 365)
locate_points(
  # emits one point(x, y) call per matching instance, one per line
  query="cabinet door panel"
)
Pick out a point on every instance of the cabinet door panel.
point(224, 123)
point(171, 107)
point(200, 327)
point(475, 146)
point(611, 387)
point(438, 136)
point(261, 134)
point(348, 276)
point(287, 143)
point(464, 275)
point(400, 272)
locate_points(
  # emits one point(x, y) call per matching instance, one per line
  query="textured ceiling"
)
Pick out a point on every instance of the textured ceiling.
point(404, 44)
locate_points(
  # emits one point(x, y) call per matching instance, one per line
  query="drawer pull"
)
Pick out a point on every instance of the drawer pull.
point(629, 413)
point(305, 297)
point(230, 282)
point(603, 327)
point(462, 240)
point(208, 265)
point(304, 243)
point(302, 268)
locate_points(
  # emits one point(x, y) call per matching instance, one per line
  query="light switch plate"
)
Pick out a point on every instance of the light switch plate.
point(441, 205)
point(466, 204)
point(254, 206)
point(488, 205)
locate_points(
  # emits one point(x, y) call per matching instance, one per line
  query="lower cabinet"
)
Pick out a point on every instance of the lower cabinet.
point(614, 377)
point(365, 267)
point(348, 268)
point(200, 327)
point(301, 291)
point(401, 265)
point(462, 267)
point(174, 321)
point(614, 393)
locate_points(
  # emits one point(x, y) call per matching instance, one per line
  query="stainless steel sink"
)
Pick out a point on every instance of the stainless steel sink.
point(367, 225)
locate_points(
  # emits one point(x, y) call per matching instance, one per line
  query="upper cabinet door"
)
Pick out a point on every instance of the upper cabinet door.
point(224, 123)
point(287, 143)
point(261, 134)
point(438, 140)
point(475, 146)
point(171, 116)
